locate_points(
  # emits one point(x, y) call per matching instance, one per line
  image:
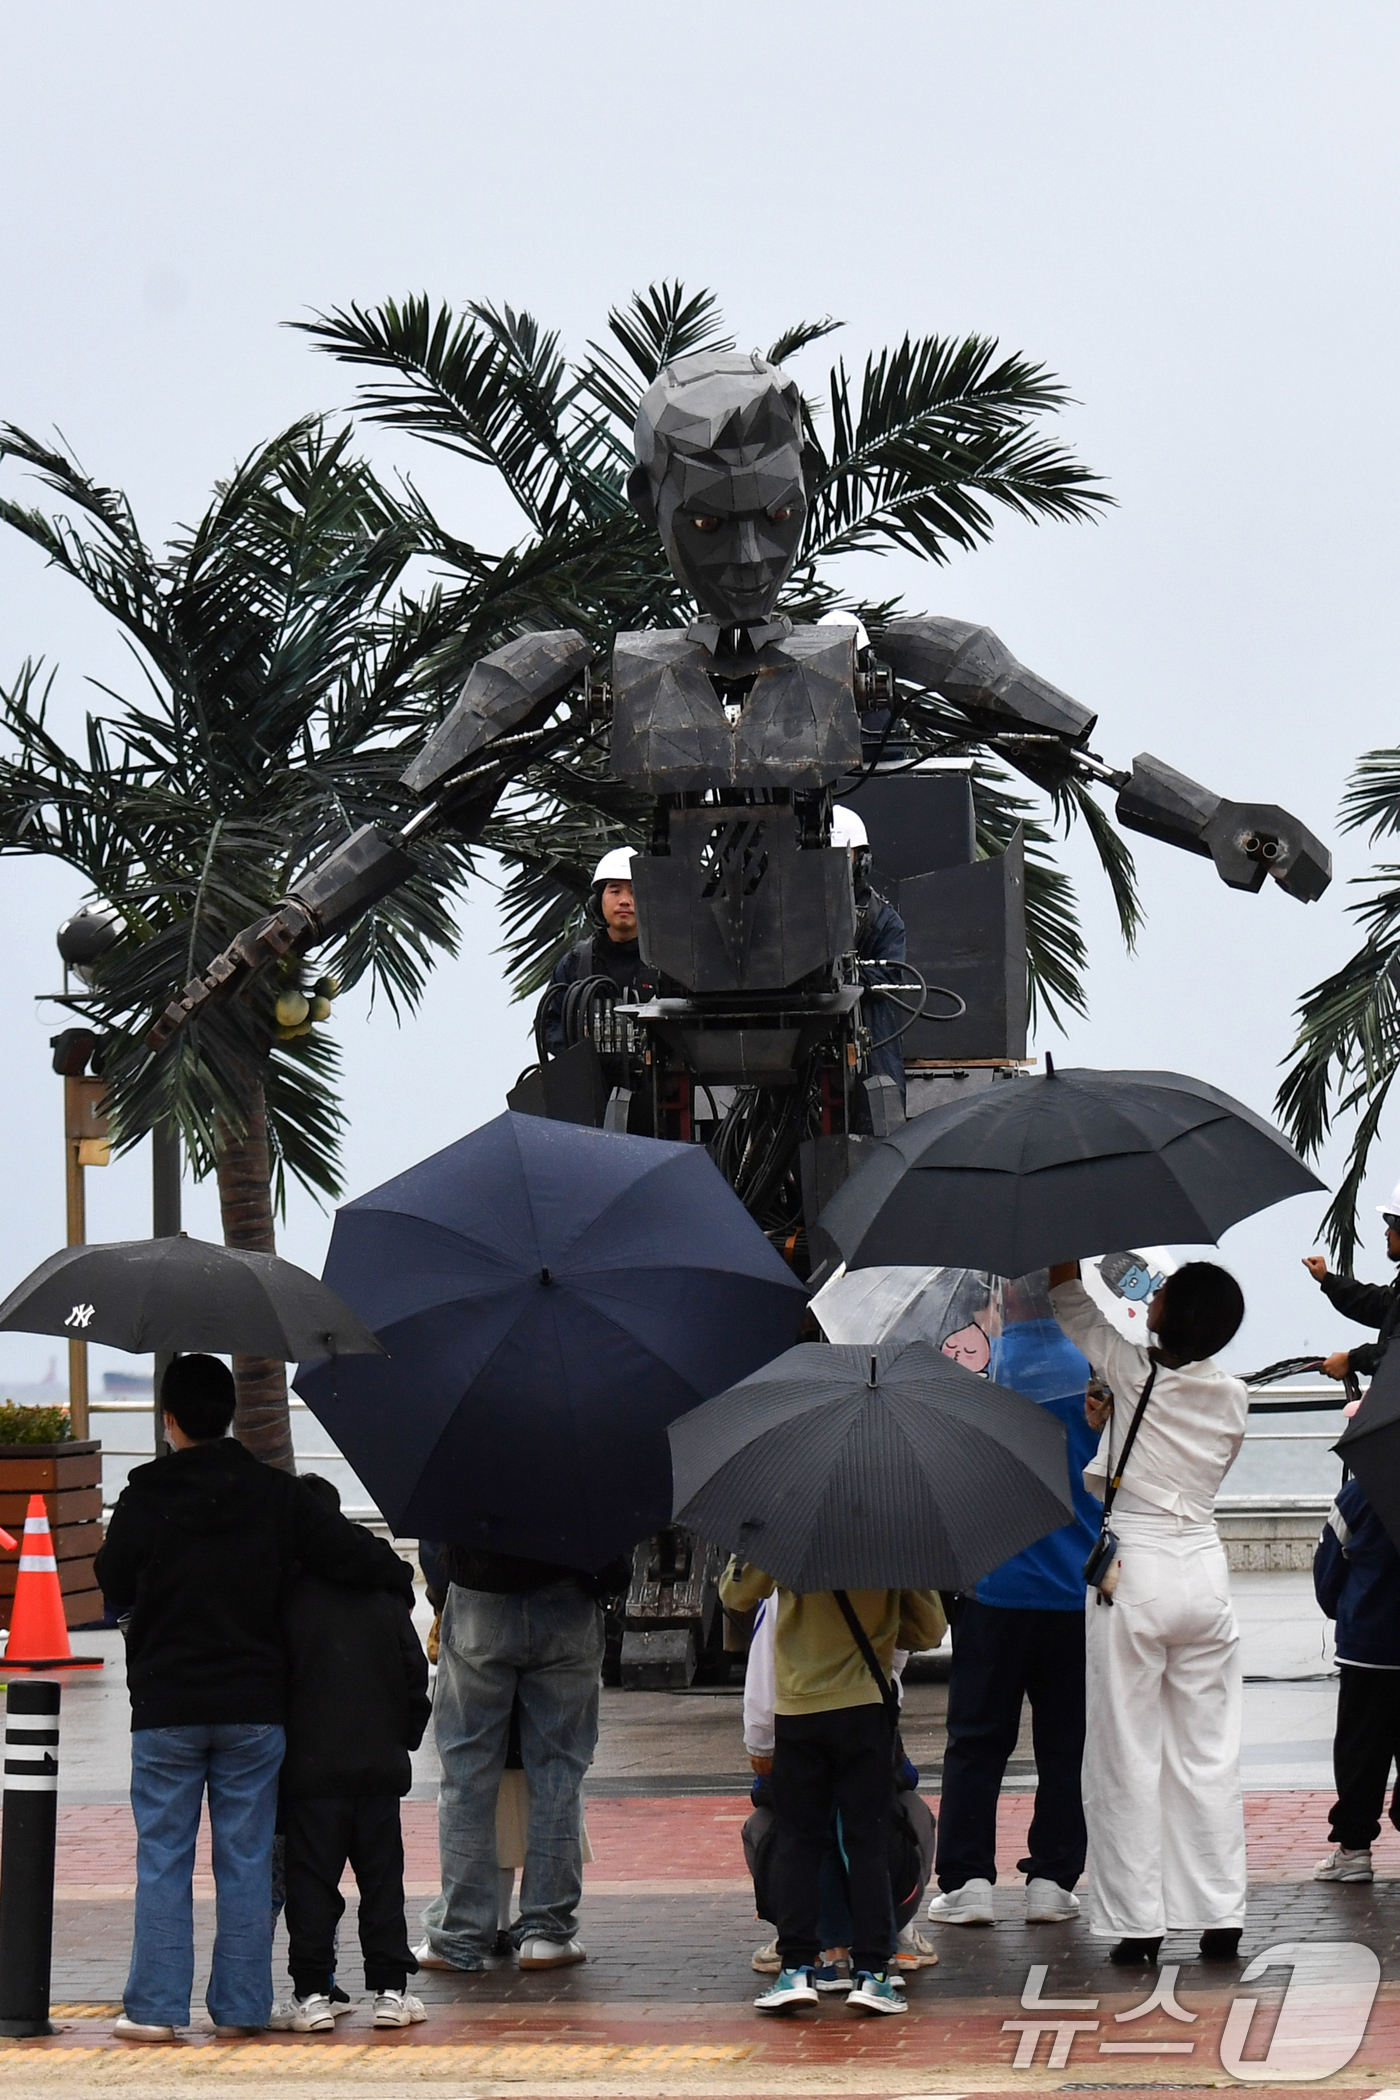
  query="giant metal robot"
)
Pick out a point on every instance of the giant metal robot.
point(746, 728)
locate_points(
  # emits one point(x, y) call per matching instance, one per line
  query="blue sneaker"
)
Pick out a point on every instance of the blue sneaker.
point(874, 1993)
point(792, 1987)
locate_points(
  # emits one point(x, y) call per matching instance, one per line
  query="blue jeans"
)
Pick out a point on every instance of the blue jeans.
point(544, 1650)
point(170, 1768)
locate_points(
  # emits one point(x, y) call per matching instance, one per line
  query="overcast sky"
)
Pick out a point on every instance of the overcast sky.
point(1186, 212)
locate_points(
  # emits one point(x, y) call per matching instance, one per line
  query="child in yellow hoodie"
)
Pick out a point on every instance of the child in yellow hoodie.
point(833, 1752)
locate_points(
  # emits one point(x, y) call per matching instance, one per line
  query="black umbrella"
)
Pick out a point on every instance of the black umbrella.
point(551, 1297)
point(1037, 1170)
point(150, 1296)
point(1370, 1443)
point(844, 1467)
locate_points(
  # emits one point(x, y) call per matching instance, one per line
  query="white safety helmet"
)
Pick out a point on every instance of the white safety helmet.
point(615, 866)
point(847, 619)
point(846, 827)
point(1391, 1209)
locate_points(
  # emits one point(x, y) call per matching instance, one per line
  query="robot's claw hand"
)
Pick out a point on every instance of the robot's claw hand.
point(330, 897)
point(288, 931)
point(1249, 840)
point(1246, 840)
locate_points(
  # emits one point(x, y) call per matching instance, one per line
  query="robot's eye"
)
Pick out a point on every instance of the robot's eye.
point(707, 524)
point(780, 517)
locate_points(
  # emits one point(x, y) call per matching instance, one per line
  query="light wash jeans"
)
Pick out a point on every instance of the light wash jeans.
point(546, 1648)
point(170, 1767)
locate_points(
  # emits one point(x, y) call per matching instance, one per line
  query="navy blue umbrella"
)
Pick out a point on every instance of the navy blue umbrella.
point(550, 1297)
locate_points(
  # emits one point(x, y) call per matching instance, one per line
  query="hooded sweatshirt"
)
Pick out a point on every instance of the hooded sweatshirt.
point(200, 1549)
point(1356, 1576)
point(357, 1691)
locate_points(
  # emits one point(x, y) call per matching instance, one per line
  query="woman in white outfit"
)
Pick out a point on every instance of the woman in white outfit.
point(1161, 1759)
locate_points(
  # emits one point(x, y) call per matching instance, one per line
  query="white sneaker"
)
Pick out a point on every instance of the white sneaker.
point(969, 1905)
point(1345, 1866)
point(1048, 1904)
point(767, 1960)
point(398, 2009)
point(550, 1954)
point(912, 1950)
point(125, 2030)
point(427, 1958)
point(313, 2014)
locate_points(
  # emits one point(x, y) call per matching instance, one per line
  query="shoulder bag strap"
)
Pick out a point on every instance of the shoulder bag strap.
point(888, 1693)
point(1115, 1479)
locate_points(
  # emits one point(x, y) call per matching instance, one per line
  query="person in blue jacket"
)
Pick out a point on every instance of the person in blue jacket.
point(1022, 1636)
point(1356, 1576)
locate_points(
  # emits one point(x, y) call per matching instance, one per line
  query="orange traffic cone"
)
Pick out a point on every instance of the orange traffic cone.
point(38, 1630)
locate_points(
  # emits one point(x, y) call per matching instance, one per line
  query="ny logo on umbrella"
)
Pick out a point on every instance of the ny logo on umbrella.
point(80, 1316)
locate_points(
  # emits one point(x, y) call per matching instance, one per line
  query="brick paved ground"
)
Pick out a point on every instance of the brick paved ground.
point(655, 1840)
point(662, 2005)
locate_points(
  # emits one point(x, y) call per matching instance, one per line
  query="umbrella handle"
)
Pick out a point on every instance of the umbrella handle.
point(10, 1545)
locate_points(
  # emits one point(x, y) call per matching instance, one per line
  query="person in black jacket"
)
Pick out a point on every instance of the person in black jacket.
point(609, 949)
point(1356, 1578)
point(199, 1552)
point(1369, 1304)
point(880, 938)
point(357, 1704)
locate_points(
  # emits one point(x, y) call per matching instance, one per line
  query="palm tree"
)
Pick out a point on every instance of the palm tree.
point(272, 710)
point(916, 454)
point(1347, 1051)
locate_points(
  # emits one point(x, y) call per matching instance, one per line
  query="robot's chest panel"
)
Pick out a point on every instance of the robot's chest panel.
point(796, 726)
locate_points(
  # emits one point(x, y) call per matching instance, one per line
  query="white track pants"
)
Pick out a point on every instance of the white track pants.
point(1162, 1749)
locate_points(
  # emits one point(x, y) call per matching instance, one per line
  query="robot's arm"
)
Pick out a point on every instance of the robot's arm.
point(978, 673)
point(1012, 708)
point(1246, 840)
point(461, 772)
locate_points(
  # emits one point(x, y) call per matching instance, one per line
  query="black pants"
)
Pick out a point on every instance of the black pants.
point(822, 1762)
point(999, 1658)
point(1367, 1739)
point(321, 1836)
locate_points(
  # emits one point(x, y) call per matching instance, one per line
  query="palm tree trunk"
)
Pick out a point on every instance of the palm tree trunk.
point(261, 1421)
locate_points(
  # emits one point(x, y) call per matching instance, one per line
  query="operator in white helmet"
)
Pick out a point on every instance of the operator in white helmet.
point(1369, 1304)
point(879, 939)
point(609, 948)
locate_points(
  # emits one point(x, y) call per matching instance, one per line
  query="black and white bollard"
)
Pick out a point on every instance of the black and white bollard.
point(27, 1845)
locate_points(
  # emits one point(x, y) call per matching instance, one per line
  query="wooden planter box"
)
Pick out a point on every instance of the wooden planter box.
point(69, 1477)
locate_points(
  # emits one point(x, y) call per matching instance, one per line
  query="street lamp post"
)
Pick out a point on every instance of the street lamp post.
point(165, 1223)
point(82, 941)
point(84, 1145)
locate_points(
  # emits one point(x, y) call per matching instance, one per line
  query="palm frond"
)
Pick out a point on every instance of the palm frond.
point(1346, 1053)
point(941, 432)
point(653, 329)
point(1373, 795)
point(1055, 952)
point(491, 388)
point(799, 335)
point(278, 691)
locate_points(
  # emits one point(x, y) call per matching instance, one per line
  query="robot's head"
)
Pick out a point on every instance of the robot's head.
point(719, 473)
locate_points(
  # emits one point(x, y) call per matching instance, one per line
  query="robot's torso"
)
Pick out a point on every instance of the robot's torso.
point(686, 718)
